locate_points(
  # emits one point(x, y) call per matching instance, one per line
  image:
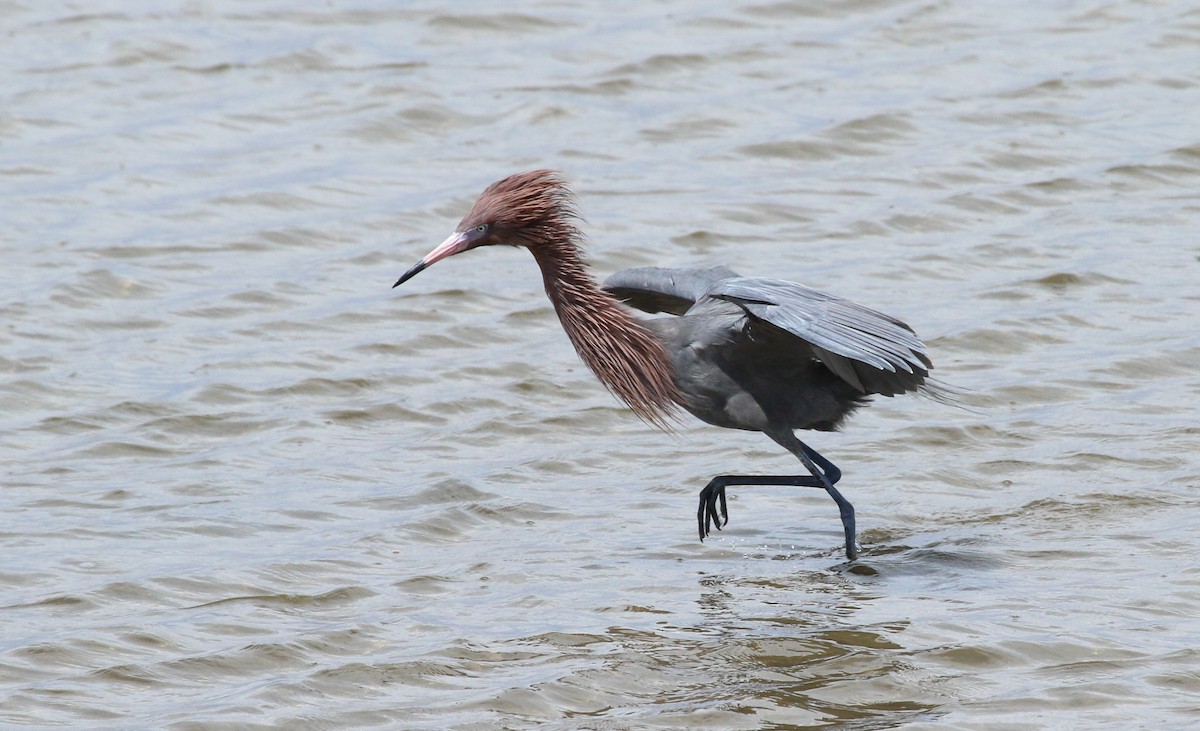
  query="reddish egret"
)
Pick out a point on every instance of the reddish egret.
point(744, 353)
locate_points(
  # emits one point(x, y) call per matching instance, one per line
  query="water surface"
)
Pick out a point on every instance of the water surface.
point(247, 485)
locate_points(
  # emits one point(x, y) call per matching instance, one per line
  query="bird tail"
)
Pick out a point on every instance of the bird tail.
point(945, 393)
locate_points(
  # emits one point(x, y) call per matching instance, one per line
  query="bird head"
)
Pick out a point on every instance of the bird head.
point(530, 209)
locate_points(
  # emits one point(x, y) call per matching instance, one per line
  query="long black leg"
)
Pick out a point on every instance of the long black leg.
point(829, 474)
point(824, 475)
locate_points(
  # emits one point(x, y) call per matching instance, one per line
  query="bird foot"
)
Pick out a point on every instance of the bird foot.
point(713, 509)
point(852, 551)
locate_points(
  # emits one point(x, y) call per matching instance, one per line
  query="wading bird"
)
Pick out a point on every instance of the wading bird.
point(744, 353)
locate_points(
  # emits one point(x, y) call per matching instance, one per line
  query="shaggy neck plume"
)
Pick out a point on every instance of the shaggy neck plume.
point(627, 359)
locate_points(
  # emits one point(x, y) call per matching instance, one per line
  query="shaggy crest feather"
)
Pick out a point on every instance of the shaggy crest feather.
point(536, 210)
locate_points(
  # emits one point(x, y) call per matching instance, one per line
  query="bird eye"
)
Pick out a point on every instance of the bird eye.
point(481, 228)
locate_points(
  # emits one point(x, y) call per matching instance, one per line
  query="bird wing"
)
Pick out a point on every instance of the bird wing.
point(871, 351)
point(659, 289)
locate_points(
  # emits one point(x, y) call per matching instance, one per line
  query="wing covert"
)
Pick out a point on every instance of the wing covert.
point(661, 289)
point(872, 351)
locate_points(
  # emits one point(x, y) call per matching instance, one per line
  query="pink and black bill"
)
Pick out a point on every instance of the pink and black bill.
point(455, 243)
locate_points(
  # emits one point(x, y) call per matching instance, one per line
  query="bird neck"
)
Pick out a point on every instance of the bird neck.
point(628, 360)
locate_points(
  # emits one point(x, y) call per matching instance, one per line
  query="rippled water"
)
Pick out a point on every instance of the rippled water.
point(245, 484)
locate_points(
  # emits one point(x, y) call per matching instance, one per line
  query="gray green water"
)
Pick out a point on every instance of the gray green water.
point(247, 485)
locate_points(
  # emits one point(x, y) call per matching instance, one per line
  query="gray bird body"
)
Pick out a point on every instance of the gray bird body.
point(768, 355)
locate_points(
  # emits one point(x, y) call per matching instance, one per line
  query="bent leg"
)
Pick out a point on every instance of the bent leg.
point(823, 475)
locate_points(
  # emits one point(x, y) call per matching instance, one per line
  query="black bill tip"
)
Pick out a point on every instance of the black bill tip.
point(420, 266)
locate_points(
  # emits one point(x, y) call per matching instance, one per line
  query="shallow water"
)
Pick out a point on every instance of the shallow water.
point(247, 485)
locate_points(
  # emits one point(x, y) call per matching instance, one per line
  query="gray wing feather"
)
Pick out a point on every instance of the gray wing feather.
point(659, 289)
point(844, 335)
